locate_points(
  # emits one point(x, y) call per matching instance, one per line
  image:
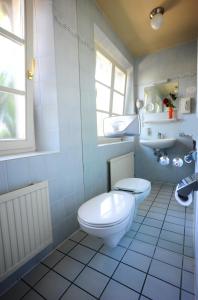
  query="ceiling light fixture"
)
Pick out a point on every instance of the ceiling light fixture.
point(156, 16)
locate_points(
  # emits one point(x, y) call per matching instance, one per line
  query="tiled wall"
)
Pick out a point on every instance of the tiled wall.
point(94, 157)
point(79, 170)
point(178, 64)
point(64, 169)
point(45, 92)
point(196, 211)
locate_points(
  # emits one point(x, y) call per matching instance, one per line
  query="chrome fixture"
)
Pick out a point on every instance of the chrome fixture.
point(185, 189)
point(162, 157)
point(190, 157)
point(156, 16)
point(178, 162)
point(182, 134)
point(160, 135)
point(164, 160)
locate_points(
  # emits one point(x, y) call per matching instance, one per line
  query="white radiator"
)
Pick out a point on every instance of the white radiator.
point(121, 167)
point(25, 226)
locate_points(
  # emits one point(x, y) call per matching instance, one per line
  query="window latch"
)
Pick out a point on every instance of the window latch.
point(31, 71)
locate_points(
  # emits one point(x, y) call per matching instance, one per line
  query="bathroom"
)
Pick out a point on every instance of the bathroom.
point(71, 158)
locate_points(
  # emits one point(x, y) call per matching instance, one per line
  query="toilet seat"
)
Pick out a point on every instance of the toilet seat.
point(99, 225)
point(106, 210)
point(133, 185)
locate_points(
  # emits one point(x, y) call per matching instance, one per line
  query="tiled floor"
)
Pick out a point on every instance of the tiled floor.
point(154, 260)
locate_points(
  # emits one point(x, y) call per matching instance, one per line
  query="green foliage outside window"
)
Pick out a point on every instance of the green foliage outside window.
point(7, 112)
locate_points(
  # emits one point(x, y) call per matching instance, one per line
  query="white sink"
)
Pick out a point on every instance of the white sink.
point(158, 143)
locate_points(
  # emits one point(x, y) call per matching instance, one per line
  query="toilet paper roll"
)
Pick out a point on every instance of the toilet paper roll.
point(181, 201)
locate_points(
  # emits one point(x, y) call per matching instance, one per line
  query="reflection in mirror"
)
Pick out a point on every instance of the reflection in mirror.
point(158, 97)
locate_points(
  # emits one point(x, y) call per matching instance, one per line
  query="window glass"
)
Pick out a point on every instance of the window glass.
point(110, 83)
point(103, 97)
point(100, 117)
point(119, 81)
point(16, 94)
point(12, 16)
point(12, 64)
point(12, 116)
point(103, 69)
point(118, 103)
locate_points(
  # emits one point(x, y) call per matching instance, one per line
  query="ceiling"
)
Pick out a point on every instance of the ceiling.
point(130, 19)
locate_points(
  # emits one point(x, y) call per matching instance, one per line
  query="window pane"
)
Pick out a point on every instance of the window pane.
point(100, 117)
point(12, 64)
point(12, 16)
point(119, 82)
point(103, 97)
point(118, 103)
point(12, 116)
point(103, 69)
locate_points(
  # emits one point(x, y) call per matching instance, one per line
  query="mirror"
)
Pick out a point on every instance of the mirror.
point(158, 97)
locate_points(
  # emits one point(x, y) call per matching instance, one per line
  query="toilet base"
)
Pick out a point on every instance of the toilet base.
point(110, 235)
point(113, 240)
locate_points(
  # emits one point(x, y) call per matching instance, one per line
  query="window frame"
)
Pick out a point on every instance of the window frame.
point(103, 139)
point(14, 146)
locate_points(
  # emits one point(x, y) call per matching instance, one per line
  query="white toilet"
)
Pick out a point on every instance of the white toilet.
point(110, 215)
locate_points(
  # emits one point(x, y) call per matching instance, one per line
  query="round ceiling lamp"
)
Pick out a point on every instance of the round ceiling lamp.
point(156, 16)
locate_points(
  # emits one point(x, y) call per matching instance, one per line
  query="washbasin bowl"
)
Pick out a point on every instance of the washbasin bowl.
point(158, 143)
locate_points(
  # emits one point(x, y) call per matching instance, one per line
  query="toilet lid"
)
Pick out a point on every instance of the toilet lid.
point(106, 209)
point(136, 185)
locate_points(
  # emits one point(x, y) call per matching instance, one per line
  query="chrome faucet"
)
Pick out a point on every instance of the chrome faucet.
point(160, 135)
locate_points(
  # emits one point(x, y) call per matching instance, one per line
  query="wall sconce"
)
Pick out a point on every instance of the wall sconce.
point(156, 16)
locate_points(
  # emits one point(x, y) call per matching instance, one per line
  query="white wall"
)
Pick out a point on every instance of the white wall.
point(196, 212)
point(45, 91)
point(94, 157)
point(68, 90)
point(178, 64)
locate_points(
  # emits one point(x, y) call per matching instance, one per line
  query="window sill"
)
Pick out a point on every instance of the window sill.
point(114, 143)
point(24, 155)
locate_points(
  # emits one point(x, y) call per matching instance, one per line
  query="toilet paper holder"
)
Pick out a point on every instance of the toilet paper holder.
point(184, 189)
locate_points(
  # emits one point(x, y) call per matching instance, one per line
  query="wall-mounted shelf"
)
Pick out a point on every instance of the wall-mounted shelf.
point(160, 121)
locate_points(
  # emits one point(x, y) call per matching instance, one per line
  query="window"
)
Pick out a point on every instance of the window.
point(110, 80)
point(16, 92)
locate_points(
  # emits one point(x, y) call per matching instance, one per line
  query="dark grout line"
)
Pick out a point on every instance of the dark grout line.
point(180, 268)
point(151, 257)
point(126, 249)
point(180, 292)
point(32, 288)
point(85, 265)
point(167, 249)
point(111, 277)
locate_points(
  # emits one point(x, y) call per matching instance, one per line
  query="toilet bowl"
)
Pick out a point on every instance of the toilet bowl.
point(107, 216)
point(110, 215)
